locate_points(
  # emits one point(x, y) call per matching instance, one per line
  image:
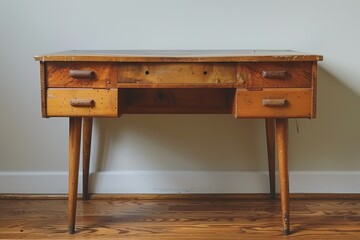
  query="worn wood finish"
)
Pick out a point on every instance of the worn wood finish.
point(177, 73)
point(296, 75)
point(270, 143)
point(180, 56)
point(243, 75)
point(314, 89)
point(185, 100)
point(43, 88)
point(177, 85)
point(74, 155)
point(190, 196)
point(86, 144)
point(249, 104)
point(216, 217)
point(248, 83)
point(59, 102)
point(282, 148)
point(58, 75)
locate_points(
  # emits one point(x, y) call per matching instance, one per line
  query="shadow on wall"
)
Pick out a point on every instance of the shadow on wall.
point(331, 142)
point(219, 142)
point(179, 142)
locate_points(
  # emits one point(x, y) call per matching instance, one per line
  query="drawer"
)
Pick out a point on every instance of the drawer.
point(177, 73)
point(274, 103)
point(81, 74)
point(254, 76)
point(82, 102)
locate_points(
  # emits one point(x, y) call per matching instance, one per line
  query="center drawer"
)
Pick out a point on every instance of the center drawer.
point(177, 73)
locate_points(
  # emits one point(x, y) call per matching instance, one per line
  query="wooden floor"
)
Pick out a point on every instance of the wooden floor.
point(179, 217)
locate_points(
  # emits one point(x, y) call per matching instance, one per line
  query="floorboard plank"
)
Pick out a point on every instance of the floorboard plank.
point(172, 218)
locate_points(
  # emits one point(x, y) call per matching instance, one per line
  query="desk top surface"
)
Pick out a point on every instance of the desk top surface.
point(178, 56)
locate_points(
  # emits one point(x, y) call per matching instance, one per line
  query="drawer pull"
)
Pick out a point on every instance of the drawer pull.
point(82, 74)
point(82, 102)
point(273, 102)
point(274, 74)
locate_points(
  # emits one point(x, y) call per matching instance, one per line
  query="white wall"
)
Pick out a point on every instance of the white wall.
point(217, 151)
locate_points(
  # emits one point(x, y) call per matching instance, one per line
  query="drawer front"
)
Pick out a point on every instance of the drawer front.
point(82, 102)
point(274, 103)
point(255, 76)
point(81, 74)
point(177, 73)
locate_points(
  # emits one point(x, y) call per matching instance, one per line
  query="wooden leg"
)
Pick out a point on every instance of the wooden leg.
point(270, 140)
point(74, 154)
point(282, 145)
point(87, 129)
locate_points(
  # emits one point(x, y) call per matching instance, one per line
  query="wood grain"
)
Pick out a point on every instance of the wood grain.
point(177, 73)
point(298, 75)
point(58, 75)
point(86, 145)
point(314, 89)
point(275, 84)
point(282, 154)
point(178, 85)
point(59, 102)
point(197, 197)
point(43, 88)
point(179, 56)
point(270, 146)
point(74, 155)
point(248, 104)
point(182, 218)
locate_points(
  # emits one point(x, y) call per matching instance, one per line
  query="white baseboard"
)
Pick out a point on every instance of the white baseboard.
point(179, 182)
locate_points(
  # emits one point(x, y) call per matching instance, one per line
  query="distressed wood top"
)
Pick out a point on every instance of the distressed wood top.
point(179, 56)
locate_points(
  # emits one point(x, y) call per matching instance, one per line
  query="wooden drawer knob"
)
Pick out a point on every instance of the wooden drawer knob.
point(82, 102)
point(274, 74)
point(273, 102)
point(82, 74)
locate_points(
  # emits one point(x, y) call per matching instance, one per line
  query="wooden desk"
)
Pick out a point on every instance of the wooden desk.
point(274, 85)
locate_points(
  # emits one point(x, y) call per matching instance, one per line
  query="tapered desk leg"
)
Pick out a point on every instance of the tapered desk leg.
point(282, 145)
point(87, 129)
point(74, 152)
point(270, 141)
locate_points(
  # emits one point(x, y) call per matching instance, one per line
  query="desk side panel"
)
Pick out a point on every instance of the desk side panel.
point(43, 89)
point(314, 89)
